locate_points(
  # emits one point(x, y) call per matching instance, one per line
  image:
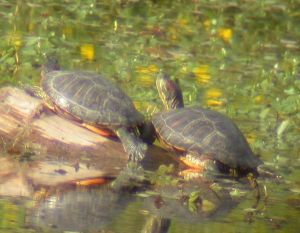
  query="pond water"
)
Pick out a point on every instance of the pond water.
point(240, 58)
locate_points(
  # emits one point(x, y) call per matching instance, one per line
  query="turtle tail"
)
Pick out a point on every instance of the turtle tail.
point(133, 146)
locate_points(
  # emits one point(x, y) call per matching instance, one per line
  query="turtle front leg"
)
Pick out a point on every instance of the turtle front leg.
point(133, 175)
point(133, 146)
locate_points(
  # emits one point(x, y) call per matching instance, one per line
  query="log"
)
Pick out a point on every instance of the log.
point(51, 149)
point(22, 126)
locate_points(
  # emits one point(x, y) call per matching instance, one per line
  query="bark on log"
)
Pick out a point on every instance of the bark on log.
point(53, 150)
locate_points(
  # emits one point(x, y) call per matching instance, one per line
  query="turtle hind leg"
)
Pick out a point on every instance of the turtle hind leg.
point(201, 163)
point(133, 146)
point(199, 167)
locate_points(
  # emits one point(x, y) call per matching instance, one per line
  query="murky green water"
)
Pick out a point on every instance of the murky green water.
point(238, 57)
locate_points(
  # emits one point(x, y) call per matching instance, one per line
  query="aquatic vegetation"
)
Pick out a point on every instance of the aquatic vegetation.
point(241, 59)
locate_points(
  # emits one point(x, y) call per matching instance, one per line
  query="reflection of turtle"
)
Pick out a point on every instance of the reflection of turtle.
point(207, 138)
point(80, 210)
point(193, 202)
point(95, 102)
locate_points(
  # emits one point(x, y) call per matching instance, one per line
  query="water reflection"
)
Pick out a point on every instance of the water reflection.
point(189, 203)
point(77, 210)
point(96, 209)
point(251, 49)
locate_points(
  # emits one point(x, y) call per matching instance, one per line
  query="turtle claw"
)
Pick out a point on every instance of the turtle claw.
point(133, 146)
point(138, 153)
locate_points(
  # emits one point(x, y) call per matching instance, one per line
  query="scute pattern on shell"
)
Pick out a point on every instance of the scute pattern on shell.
point(204, 132)
point(91, 98)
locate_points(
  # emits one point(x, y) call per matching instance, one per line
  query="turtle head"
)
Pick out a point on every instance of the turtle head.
point(169, 92)
point(51, 64)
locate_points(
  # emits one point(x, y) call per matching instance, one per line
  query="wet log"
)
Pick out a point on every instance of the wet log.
point(50, 149)
point(21, 125)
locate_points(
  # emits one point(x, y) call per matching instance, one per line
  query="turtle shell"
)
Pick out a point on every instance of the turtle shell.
point(204, 132)
point(91, 98)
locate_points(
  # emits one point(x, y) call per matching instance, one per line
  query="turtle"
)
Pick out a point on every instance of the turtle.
point(95, 102)
point(203, 138)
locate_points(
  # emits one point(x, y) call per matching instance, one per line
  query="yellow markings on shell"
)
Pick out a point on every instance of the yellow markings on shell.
point(87, 51)
point(225, 34)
